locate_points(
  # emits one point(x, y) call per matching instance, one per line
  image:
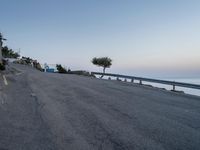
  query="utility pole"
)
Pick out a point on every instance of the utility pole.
point(1, 45)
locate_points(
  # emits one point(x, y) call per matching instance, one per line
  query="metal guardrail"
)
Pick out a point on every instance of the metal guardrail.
point(140, 79)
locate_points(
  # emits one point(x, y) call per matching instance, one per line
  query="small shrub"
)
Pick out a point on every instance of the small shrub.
point(61, 69)
point(2, 66)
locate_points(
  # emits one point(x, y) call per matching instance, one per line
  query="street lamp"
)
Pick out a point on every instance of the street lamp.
point(1, 44)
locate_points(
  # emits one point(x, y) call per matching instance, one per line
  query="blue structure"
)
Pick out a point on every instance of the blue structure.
point(50, 70)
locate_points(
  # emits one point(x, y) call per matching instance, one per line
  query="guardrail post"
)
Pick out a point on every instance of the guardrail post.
point(174, 87)
point(140, 81)
point(132, 80)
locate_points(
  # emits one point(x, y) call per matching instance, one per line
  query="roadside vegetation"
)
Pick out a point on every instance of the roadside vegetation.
point(29, 61)
point(61, 69)
point(2, 66)
point(9, 53)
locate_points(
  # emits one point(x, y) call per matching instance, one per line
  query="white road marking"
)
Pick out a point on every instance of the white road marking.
point(5, 80)
point(19, 73)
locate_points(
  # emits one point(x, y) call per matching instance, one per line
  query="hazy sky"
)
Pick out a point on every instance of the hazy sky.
point(143, 37)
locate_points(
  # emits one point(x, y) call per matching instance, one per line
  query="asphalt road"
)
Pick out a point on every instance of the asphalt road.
point(44, 111)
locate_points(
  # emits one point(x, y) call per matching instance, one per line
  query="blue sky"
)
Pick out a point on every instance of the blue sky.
point(143, 37)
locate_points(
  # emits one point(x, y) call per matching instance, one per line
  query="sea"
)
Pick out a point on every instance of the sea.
point(169, 87)
point(183, 80)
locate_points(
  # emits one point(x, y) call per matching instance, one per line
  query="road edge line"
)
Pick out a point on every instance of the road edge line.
point(5, 80)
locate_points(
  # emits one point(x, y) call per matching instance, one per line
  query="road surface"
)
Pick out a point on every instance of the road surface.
point(45, 111)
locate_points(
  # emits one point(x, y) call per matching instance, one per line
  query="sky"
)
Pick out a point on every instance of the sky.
point(156, 38)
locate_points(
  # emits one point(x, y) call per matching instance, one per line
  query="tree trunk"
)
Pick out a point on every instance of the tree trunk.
point(104, 69)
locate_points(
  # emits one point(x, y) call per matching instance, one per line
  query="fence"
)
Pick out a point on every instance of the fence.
point(140, 79)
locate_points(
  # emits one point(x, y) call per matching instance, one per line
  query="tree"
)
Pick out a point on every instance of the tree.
point(104, 62)
point(1, 44)
point(61, 69)
point(9, 53)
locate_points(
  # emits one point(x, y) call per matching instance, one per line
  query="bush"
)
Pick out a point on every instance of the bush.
point(61, 69)
point(2, 66)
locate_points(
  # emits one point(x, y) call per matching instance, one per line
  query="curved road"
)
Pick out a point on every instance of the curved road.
point(43, 111)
